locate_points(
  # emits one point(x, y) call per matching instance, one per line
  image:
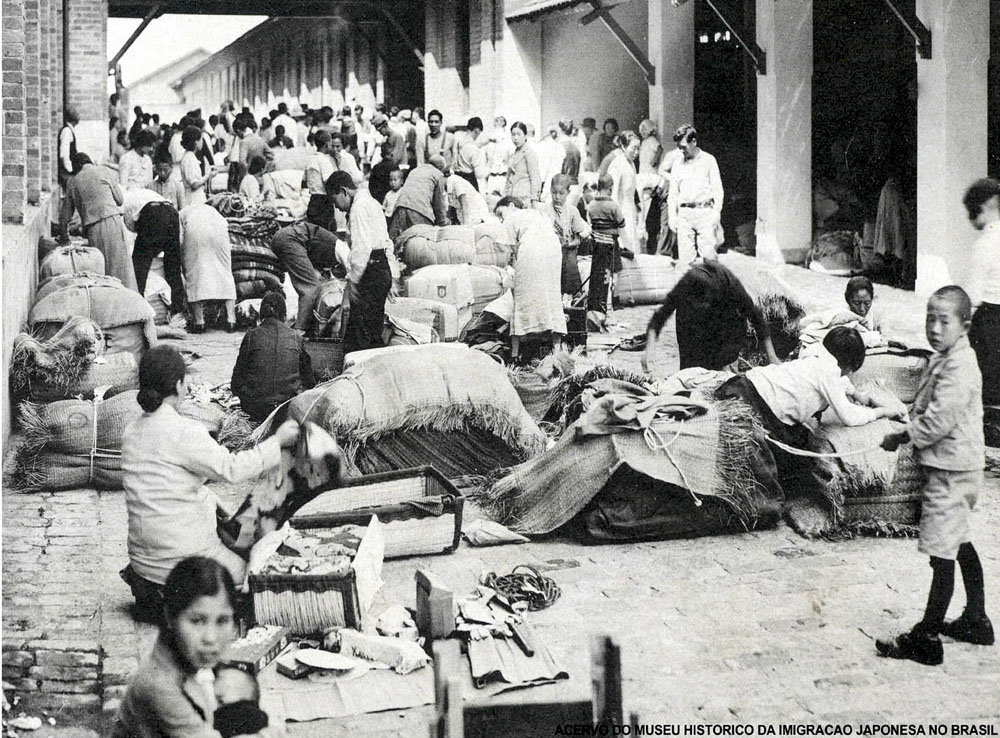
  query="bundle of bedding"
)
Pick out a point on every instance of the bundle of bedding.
point(123, 315)
point(72, 259)
point(645, 280)
point(438, 404)
point(256, 268)
point(697, 454)
point(427, 245)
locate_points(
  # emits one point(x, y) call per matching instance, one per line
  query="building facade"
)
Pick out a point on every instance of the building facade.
point(158, 91)
point(348, 59)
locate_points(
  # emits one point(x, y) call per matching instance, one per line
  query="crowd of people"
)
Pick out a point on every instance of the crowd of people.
point(369, 178)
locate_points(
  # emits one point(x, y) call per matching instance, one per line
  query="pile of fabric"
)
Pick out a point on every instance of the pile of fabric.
point(427, 245)
point(697, 455)
point(256, 269)
point(439, 404)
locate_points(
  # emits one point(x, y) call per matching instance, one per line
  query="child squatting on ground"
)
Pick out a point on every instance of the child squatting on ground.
point(946, 427)
point(238, 696)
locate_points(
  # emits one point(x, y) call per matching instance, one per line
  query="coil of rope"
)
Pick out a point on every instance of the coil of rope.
point(528, 586)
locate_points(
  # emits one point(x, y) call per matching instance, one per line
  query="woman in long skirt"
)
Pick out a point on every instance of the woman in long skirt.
point(207, 263)
point(622, 171)
point(537, 268)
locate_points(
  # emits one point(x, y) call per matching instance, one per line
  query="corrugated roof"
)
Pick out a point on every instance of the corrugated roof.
point(515, 10)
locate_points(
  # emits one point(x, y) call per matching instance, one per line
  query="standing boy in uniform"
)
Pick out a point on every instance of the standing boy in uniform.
point(946, 427)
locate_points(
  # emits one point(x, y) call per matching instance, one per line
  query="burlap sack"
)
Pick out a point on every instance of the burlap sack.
point(71, 260)
point(490, 247)
point(440, 316)
point(645, 280)
point(425, 245)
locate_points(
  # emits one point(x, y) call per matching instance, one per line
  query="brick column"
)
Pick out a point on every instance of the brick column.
point(32, 100)
point(45, 132)
point(14, 133)
point(86, 73)
point(56, 81)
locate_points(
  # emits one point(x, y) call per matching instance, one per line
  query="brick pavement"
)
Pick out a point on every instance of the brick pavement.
point(760, 627)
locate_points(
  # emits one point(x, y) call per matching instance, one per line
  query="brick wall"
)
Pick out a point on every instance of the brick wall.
point(86, 82)
point(32, 100)
point(14, 130)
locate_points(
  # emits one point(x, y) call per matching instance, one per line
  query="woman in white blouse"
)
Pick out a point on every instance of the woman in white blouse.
point(194, 181)
point(622, 171)
point(166, 461)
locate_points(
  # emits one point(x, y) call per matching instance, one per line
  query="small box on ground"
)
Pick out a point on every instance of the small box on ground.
point(258, 648)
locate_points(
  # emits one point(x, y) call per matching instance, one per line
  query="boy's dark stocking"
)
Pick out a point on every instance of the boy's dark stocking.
point(972, 578)
point(942, 588)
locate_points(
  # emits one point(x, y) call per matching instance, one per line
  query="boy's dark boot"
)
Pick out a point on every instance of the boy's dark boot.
point(917, 645)
point(970, 629)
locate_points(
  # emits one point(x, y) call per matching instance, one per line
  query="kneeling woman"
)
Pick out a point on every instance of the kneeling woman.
point(171, 694)
point(166, 460)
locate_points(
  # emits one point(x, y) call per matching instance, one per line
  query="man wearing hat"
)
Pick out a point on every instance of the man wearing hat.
point(398, 144)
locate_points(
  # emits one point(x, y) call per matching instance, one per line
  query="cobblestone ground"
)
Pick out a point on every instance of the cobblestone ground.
point(762, 627)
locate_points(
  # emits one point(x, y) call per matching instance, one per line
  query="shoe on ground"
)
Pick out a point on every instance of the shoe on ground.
point(914, 646)
point(970, 629)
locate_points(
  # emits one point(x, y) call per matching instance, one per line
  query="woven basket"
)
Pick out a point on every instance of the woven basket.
point(898, 509)
point(900, 374)
point(327, 356)
point(408, 530)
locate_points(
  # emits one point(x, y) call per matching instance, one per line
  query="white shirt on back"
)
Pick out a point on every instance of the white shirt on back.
point(984, 275)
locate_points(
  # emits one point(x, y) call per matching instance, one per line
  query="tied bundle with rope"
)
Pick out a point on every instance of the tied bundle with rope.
point(72, 259)
point(527, 586)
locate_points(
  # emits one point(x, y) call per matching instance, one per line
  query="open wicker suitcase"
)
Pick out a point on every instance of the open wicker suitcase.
point(419, 509)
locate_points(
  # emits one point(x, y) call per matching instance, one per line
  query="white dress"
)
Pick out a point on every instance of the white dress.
point(206, 253)
point(191, 172)
point(537, 270)
point(623, 192)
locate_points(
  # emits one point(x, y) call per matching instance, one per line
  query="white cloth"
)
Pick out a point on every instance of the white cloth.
point(135, 201)
point(206, 253)
point(537, 270)
point(469, 205)
point(166, 460)
point(389, 202)
point(135, 171)
point(67, 135)
point(551, 153)
point(250, 188)
point(622, 173)
point(368, 233)
point(176, 150)
point(984, 275)
point(797, 390)
point(318, 170)
point(286, 183)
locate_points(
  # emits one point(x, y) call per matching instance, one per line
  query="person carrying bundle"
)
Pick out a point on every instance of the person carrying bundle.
point(303, 248)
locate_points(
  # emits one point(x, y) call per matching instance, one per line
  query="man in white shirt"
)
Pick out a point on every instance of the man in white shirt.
point(284, 119)
point(470, 207)
point(695, 199)
point(438, 141)
point(157, 227)
point(369, 278)
point(982, 202)
point(550, 158)
point(469, 160)
point(135, 170)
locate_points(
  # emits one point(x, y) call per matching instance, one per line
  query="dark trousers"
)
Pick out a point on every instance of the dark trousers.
point(797, 474)
point(367, 318)
point(600, 269)
point(158, 229)
point(985, 339)
point(403, 218)
point(469, 177)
